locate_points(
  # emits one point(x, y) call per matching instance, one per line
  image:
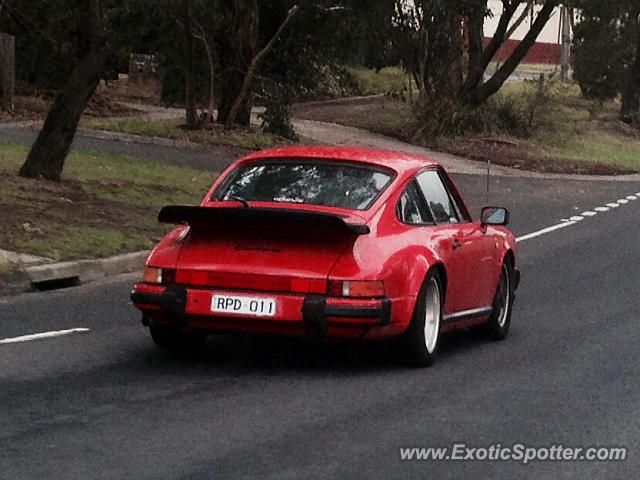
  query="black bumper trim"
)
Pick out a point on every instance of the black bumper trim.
point(173, 302)
point(315, 312)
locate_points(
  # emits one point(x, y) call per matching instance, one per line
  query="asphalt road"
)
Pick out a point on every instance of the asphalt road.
point(107, 404)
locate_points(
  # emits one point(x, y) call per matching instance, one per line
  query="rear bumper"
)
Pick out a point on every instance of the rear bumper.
point(320, 312)
point(313, 315)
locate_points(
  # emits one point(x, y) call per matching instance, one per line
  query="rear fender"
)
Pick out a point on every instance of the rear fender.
point(167, 252)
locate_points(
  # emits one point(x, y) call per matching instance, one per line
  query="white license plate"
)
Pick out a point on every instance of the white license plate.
point(250, 306)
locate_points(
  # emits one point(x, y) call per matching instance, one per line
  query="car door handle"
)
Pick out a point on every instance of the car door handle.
point(456, 244)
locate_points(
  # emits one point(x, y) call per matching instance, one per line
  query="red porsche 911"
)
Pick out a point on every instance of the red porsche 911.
point(331, 242)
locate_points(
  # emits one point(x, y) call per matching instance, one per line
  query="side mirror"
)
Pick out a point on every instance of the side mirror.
point(494, 216)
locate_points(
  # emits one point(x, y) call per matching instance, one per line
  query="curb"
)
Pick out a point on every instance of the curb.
point(14, 281)
point(84, 271)
point(129, 138)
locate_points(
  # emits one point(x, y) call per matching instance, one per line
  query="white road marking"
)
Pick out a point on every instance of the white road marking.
point(544, 231)
point(578, 218)
point(40, 336)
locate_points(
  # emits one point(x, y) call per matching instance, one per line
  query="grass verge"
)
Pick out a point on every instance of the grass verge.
point(248, 139)
point(5, 265)
point(372, 82)
point(572, 135)
point(104, 206)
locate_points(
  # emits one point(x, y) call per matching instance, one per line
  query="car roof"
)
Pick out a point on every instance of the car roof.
point(400, 162)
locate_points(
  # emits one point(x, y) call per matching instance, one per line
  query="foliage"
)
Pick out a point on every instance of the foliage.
point(276, 119)
point(603, 49)
point(520, 112)
point(372, 82)
point(442, 44)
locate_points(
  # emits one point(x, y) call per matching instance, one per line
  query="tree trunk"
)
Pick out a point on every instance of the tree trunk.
point(255, 61)
point(209, 116)
point(50, 149)
point(7, 70)
point(243, 41)
point(189, 67)
point(479, 66)
point(480, 94)
point(630, 109)
point(475, 34)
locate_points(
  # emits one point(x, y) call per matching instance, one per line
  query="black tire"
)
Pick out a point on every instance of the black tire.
point(172, 340)
point(417, 349)
point(498, 325)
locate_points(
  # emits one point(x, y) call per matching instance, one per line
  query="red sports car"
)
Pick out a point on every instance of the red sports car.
point(331, 242)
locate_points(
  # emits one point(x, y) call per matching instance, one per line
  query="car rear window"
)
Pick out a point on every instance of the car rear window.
point(315, 182)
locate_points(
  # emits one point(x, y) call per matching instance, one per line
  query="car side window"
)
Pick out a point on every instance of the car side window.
point(439, 199)
point(412, 209)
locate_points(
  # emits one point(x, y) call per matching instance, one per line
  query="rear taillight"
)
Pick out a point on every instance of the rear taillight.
point(159, 276)
point(359, 288)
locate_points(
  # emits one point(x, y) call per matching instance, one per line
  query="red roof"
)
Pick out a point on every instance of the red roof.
point(399, 161)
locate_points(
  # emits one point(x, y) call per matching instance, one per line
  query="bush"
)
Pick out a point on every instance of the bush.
point(277, 120)
point(519, 114)
point(448, 117)
point(603, 49)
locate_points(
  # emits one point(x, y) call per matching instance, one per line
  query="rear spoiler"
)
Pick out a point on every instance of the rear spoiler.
point(259, 216)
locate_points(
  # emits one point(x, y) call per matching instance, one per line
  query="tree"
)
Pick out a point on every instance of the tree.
point(449, 57)
point(242, 45)
point(241, 99)
point(607, 53)
point(630, 108)
point(189, 66)
point(48, 153)
point(603, 49)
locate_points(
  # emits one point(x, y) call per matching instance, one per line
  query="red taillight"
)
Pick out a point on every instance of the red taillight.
point(360, 288)
point(247, 281)
point(308, 285)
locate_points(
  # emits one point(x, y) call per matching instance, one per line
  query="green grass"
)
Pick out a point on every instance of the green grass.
point(105, 205)
point(579, 129)
point(602, 147)
point(370, 82)
point(249, 139)
point(78, 241)
point(5, 265)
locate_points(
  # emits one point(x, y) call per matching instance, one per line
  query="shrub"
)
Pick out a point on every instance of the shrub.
point(519, 114)
point(276, 120)
point(603, 49)
point(448, 117)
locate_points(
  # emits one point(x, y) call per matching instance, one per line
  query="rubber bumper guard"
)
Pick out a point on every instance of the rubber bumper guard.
point(315, 311)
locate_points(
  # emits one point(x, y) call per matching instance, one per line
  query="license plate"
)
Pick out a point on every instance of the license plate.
point(250, 306)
